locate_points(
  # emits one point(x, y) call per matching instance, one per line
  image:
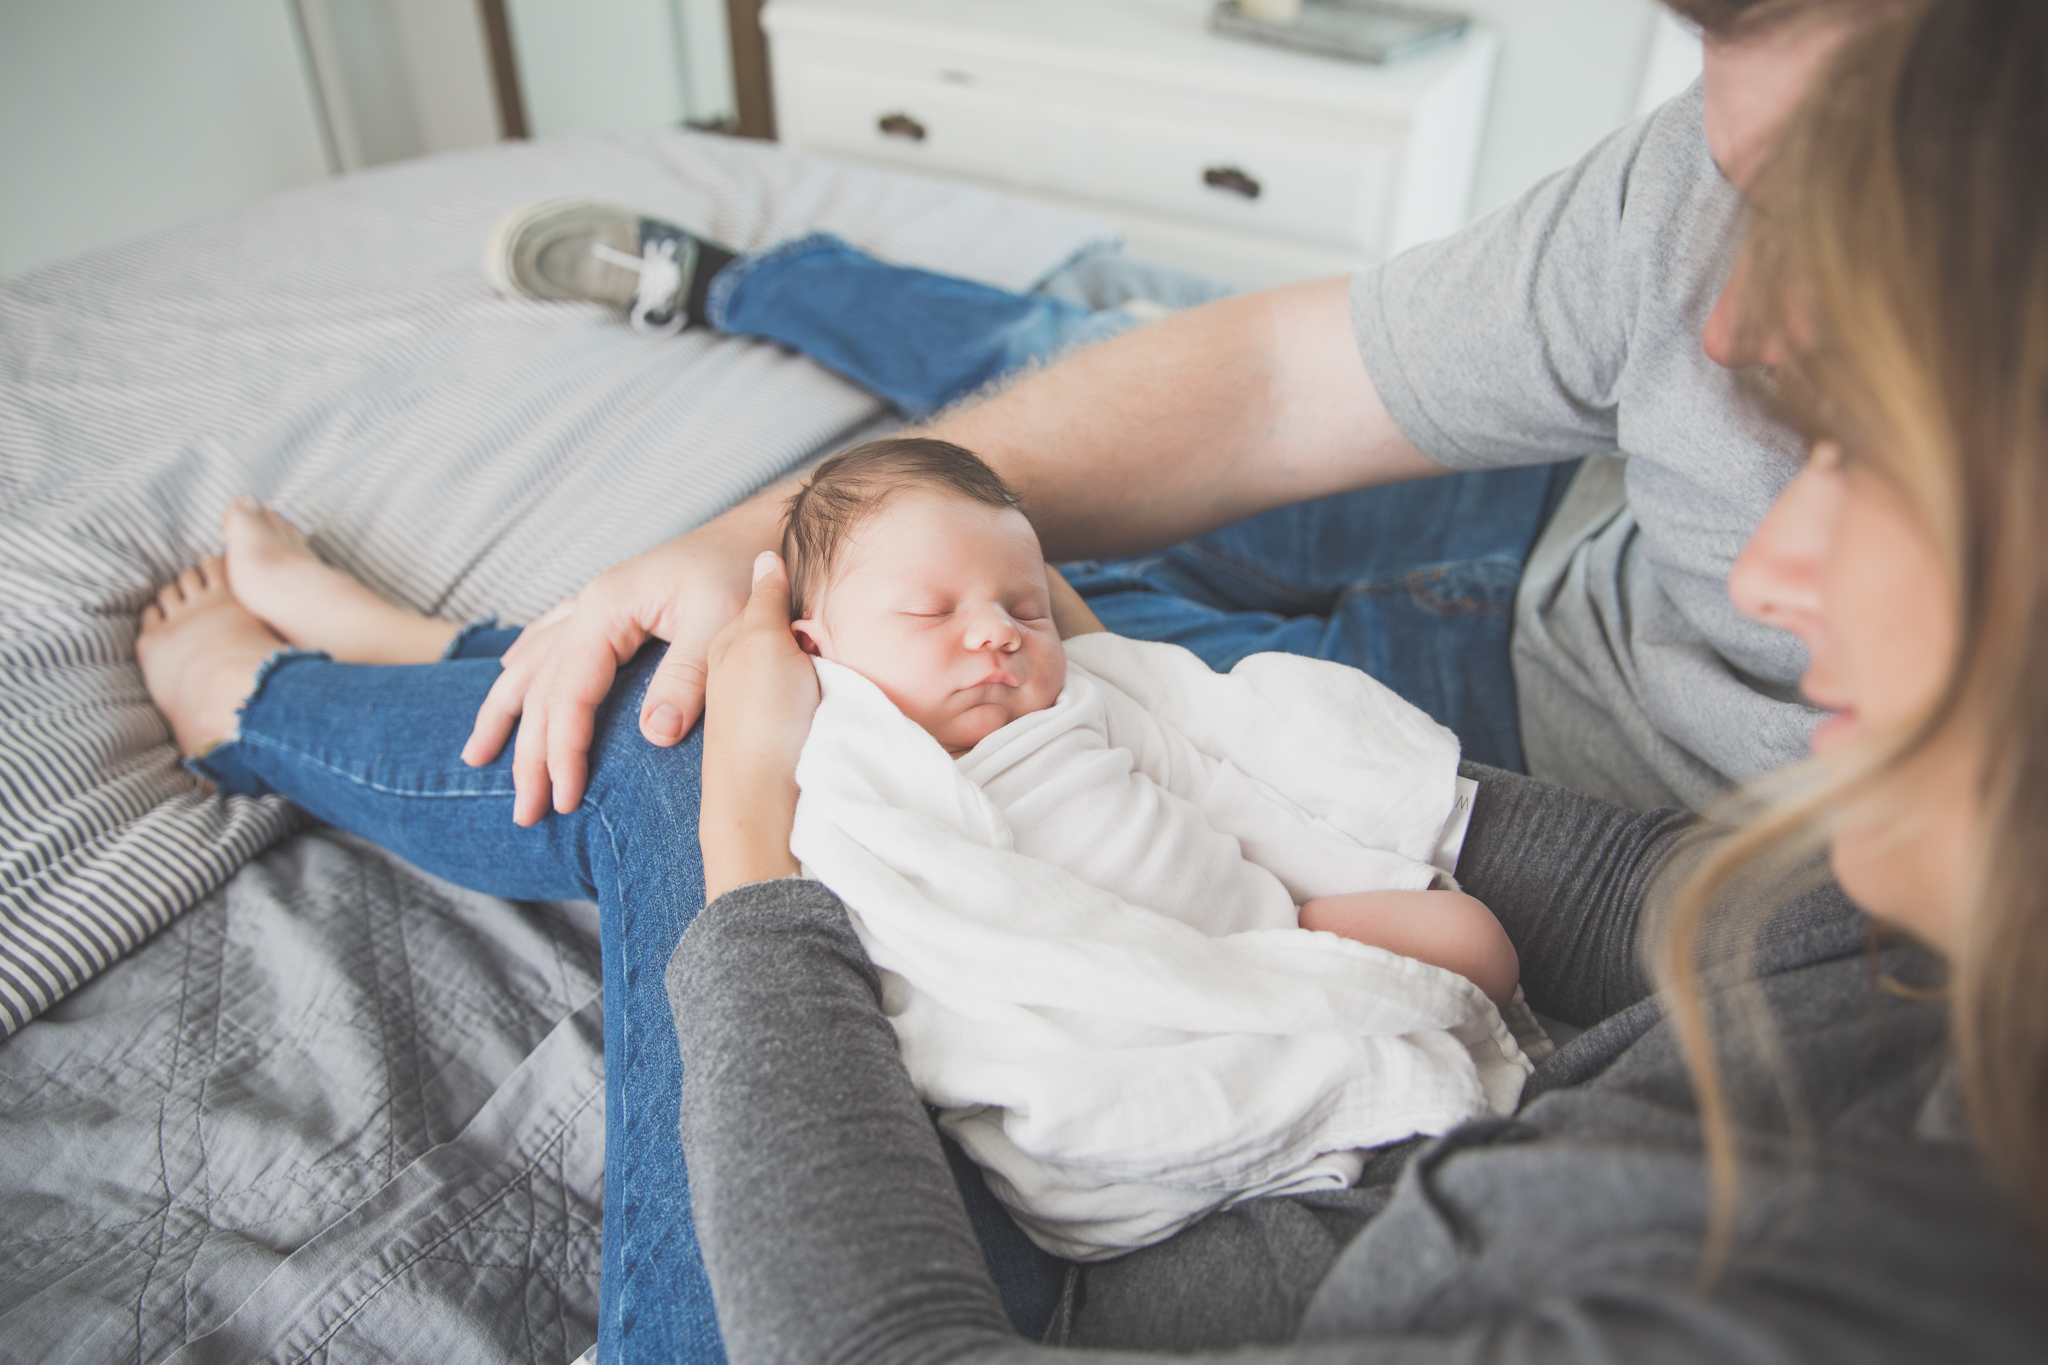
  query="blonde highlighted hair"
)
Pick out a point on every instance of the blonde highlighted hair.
point(1899, 252)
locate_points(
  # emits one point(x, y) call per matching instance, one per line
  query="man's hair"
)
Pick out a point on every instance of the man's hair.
point(855, 484)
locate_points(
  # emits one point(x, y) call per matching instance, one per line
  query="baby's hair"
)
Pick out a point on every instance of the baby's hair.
point(855, 484)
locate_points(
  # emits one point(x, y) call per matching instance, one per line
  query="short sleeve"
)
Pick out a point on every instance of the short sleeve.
point(1510, 342)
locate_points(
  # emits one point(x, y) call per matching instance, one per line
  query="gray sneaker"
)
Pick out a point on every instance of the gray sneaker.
point(592, 250)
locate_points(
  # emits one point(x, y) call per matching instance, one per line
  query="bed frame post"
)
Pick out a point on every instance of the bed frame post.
point(752, 95)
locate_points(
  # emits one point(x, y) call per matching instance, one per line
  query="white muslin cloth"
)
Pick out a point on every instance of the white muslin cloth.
point(1129, 1031)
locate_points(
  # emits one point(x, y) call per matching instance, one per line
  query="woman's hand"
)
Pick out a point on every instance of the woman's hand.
point(760, 694)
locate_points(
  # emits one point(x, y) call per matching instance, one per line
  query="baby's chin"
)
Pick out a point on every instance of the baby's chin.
point(958, 734)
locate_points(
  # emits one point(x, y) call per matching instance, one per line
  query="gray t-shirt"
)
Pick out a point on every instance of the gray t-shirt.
point(1568, 324)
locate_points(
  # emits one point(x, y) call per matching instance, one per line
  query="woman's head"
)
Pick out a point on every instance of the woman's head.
point(1900, 264)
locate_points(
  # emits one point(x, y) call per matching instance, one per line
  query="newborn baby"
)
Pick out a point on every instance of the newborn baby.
point(912, 564)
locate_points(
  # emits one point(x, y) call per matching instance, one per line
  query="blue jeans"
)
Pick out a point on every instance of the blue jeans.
point(1412, 583)
point(917, 339)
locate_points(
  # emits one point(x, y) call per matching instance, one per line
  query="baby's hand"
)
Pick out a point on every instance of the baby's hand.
point(760, 693)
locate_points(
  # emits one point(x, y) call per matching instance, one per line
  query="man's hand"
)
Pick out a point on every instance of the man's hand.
point(560, 668)
point(761, 694)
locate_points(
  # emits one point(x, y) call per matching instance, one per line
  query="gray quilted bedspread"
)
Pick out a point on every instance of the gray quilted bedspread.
point(339, 1111)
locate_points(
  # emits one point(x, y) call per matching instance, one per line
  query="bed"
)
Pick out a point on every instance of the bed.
point(267, 1093)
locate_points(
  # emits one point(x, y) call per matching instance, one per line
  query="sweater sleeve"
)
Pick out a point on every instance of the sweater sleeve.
point(1577, 884)
point(1567, 875)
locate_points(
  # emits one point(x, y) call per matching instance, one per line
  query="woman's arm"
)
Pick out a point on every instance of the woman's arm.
point(1579, 884)
point(829, 1220)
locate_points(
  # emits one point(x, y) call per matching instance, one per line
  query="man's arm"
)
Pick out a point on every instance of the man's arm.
point(1166, 432)
point(1191, 423)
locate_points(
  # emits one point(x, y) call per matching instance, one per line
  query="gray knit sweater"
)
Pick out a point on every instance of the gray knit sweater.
point(1569, 1232)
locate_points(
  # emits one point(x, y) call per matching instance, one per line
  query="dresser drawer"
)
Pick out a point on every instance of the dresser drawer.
point(1294, 182)
point(917, 121)
point(1294, 185)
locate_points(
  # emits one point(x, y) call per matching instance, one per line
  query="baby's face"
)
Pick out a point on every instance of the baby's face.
point(942, 603)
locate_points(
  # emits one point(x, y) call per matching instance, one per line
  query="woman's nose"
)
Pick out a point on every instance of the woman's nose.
point(1777, 577)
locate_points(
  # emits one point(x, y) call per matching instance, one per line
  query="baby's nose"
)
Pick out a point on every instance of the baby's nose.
point(993, 628)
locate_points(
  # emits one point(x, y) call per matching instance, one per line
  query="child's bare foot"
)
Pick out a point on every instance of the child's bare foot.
point(199, 651)
point(282, 582)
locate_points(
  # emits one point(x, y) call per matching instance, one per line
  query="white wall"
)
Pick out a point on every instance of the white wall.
point(448, 62)
point(1673, 63)
point(618, 65)
point(400, 78)
point(598, 65)
point(118, 117)
point(707, 59)
point(1570, 72)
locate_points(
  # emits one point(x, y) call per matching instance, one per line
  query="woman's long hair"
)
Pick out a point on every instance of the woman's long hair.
point(1899, 250)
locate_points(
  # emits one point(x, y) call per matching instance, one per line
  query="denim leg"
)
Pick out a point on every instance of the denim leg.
point(1414, 583)
point(376, 750)
point(918, 339)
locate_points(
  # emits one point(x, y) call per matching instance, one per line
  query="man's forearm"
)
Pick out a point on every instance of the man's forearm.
point(1172, 430)
point(1192, 422)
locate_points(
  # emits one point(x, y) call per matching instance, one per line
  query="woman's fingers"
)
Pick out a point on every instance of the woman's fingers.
point(768, 602)
point(505, 703)
point(761, 685)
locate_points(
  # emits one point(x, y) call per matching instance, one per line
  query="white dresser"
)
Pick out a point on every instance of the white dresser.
point(1246, 163)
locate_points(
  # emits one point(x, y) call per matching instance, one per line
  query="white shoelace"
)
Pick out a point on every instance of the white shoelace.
point(660, 288)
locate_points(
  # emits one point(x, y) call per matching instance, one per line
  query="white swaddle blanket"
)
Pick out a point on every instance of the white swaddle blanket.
point(1118, 1071)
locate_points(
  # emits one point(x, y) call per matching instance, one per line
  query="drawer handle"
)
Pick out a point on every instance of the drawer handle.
point(1232, 179)
point(904, 126)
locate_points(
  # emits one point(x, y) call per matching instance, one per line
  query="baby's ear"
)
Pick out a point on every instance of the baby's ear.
point(810, 637)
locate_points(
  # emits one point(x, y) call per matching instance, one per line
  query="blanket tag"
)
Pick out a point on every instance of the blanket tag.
point(1451, 842)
